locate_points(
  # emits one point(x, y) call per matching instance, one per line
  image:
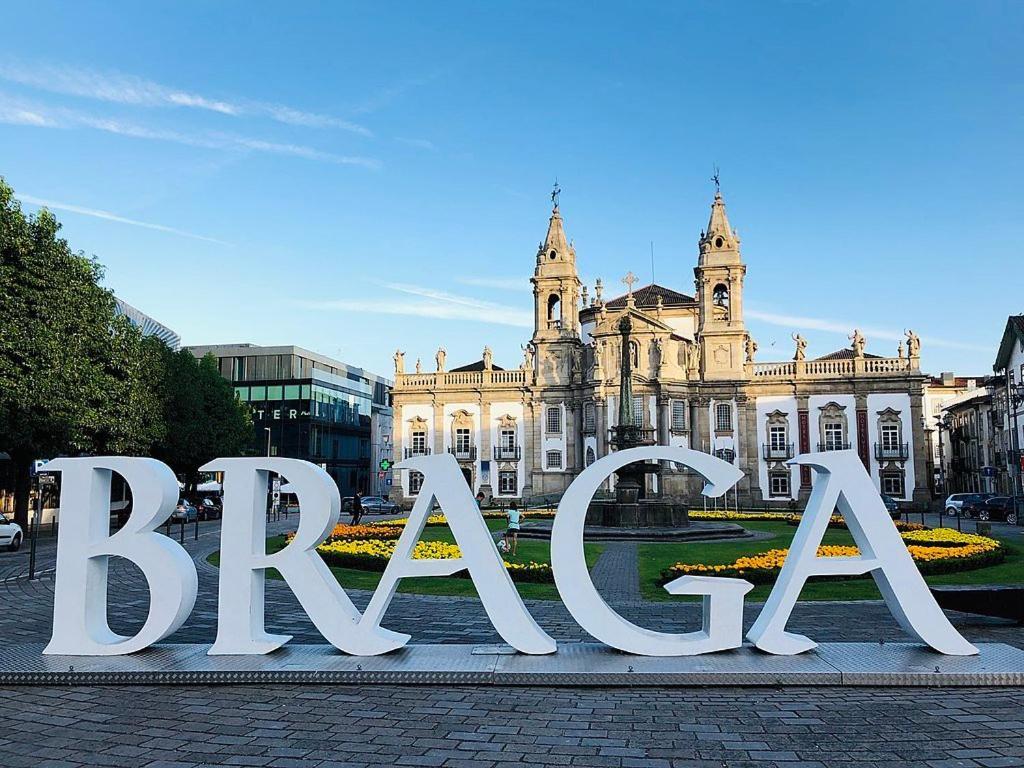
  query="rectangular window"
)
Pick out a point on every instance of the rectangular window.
point(257, 394)
point(723, 417)
point(892, 484)
point(678, 415)
point(779, 484)
point(462, 441)
point(415, 482)
point(589, 417)
point(275, 393)
point(890, 437)
point(304, 392)
point(238, 369)
point(507, 484)
point(554, 415)
point(834, 436)
point(638, 411)
point(242, 393)
point(726, 454)
point(777, 437)
point(291, 392)
point(554, 459)
point(507, 439)
point(419, 442)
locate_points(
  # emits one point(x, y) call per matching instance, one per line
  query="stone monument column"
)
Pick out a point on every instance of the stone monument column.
point(486, 458)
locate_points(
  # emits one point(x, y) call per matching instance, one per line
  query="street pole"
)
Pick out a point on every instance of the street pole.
point(267, 430)
point(1012, 446)
point(35, 529)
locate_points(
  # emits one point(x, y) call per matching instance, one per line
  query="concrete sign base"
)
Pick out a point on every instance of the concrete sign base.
point(575, 664)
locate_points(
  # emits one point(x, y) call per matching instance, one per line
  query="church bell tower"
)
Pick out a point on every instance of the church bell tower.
point(556, 300)
point(719, 290)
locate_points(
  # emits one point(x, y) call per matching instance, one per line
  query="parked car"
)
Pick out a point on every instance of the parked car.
point(994, 508)
point(955, 503)
point(378, 505)
point(184, 512)
point(891, 505)
point(209, 508)
point(11, 535)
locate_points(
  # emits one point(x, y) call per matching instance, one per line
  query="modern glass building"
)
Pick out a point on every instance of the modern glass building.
point(308, 406)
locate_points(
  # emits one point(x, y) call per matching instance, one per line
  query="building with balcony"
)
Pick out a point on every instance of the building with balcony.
point(529, 430)
point(312, 407)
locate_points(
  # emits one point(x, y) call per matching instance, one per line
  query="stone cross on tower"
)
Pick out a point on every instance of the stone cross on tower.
point(555, 192)
point(628, 280)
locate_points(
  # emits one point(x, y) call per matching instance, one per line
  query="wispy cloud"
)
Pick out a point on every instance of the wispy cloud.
point(120, 88)
point(417, 143)
point(501, 283)
point(796, 323)
point(108, 216)
point(432, 303)
point(13, 112)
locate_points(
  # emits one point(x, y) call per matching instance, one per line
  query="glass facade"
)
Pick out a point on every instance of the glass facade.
point(314, 411)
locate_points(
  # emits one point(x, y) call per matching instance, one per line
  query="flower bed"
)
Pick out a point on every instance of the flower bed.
point(373, 555)
point(933, 553)
point(729, 514)
point(537, 514)
point(836, 521)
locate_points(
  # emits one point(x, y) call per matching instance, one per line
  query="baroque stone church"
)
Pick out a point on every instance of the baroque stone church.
point(696, 382)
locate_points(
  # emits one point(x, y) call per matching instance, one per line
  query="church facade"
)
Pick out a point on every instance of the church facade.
point(696, 382)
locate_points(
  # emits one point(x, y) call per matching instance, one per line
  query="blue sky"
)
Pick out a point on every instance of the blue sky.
point(356, 178)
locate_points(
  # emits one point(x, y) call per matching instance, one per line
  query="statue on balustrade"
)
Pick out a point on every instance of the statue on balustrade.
point(801, 347)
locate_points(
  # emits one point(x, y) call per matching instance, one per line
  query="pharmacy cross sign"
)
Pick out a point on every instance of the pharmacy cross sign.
point(80, 624)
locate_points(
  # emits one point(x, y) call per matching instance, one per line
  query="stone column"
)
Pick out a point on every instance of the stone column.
point(484, 447)
point(919, 446)
point(804, 441)
point(439, 427)
point(752, 452)
point(396, 493)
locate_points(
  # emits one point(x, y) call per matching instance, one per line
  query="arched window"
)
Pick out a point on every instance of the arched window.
point(555, 309)
point(720, 296)
point(591, 456)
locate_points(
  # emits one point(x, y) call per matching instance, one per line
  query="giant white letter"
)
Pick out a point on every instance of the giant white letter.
point(85, 545)
point(723, 598)
point(244, 560)
point(842, 481)
point(443, 481)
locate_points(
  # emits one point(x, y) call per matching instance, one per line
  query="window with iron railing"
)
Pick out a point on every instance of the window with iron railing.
point(723, 417)
point(554, 420)
point(678, 415)
point(554, 459)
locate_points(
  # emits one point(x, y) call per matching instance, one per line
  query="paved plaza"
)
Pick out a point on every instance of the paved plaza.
point(314, 725)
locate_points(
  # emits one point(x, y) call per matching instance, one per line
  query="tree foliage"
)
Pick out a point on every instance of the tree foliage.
point(203, 418)
point(72, 373)
point(75, 377)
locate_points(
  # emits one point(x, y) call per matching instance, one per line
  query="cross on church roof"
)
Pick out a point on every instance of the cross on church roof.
point(628, 280)
point(718, 185)
point(555, 192)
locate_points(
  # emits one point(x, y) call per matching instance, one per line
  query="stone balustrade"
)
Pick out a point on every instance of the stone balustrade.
point(826, 369)
point(459, 379)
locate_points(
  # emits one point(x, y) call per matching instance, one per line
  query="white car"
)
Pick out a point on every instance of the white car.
point(10, 535)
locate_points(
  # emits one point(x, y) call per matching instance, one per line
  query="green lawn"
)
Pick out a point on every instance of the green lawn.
point(528, 549)
point(655, 557)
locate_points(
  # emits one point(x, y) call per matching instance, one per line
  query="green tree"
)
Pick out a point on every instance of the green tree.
point(74, 377)
point(202, 416)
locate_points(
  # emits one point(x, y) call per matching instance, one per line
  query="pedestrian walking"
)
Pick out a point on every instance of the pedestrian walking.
point(512, 532)
point(357, 508)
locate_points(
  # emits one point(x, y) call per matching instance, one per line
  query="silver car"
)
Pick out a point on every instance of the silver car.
point(378, 505)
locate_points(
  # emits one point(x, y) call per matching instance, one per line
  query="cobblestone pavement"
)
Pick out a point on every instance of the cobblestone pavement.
point(324, 726)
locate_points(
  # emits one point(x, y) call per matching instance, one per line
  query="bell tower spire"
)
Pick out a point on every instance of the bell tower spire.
point(719, 289)
point(556, 295)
